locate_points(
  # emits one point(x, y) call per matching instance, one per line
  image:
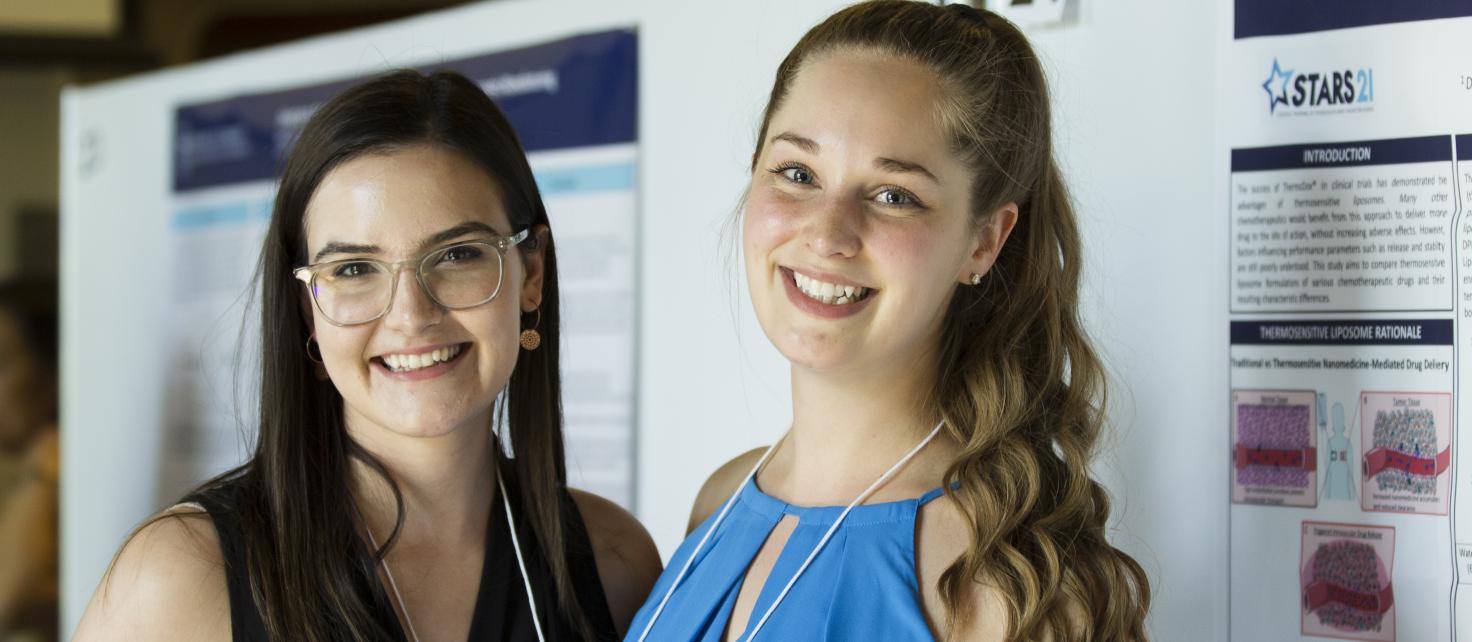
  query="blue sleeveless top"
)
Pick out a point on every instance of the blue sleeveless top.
point(861, 586)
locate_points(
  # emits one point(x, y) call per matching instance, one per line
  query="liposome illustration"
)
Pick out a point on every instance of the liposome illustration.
point(1278, 428)
point(1411, 431)
point(1349, 585)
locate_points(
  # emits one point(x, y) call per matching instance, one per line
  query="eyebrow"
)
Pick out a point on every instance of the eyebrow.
point(904, 167)
point(805, 144)
point(887, 164)
point(463, 229)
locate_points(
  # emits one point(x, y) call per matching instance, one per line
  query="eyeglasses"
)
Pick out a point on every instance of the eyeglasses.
point(459, 276)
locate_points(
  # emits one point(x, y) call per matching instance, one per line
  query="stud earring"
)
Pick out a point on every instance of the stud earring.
point(530, 338)
point(975, 279)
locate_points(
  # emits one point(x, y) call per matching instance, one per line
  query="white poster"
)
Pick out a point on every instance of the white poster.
point(1347, 126)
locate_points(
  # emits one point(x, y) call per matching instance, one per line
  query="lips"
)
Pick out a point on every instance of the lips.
point(428, 362)
point(823, 296)
point(408, 362)
point(828, 293)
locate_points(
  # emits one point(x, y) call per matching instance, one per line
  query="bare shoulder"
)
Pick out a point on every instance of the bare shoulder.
point(719, 486)
point(628, 562)
point(167, 583)
point(941, 537)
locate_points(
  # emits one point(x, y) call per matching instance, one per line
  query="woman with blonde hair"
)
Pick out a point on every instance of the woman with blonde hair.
point(911, 250)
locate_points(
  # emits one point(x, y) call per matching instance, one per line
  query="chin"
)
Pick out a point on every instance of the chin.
point(426, 426)
point(810, 351)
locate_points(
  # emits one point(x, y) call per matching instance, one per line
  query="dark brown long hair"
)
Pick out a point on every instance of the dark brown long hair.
point(1018, 382)
point(312, 576)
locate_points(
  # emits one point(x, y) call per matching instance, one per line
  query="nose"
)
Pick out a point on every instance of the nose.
point(411, 310)
point(832, 228)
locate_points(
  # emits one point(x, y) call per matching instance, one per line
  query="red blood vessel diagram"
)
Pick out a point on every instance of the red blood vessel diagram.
point(1274, 456)
point(1406, 437)
point(1345, 581)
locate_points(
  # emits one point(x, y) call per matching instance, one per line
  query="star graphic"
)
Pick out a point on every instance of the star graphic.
point(1280, 98)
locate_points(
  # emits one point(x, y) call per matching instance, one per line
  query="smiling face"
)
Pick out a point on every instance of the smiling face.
point(858, 224)
point(420, 369)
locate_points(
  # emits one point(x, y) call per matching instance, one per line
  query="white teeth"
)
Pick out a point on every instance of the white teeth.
point(829, 293)
point(407, 362)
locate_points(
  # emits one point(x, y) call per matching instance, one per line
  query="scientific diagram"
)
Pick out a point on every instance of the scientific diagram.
point(1274, 455)
point(1345, 581)
point(1339, 483)
point(1407, 441)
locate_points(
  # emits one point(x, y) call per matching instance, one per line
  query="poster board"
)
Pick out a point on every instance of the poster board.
point(1345, 133)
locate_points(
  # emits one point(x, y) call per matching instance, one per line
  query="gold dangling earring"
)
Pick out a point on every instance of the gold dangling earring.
point(530, 338)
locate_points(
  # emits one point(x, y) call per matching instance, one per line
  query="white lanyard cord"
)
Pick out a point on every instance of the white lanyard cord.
point(817, 549)
point(713, 526)
point(526, 580)
point(408, 621)
point(834, 528)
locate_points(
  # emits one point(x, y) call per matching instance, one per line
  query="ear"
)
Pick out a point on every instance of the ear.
point(533, 257)
point(990, 236)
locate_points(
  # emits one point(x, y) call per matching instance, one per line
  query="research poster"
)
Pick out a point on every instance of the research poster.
point(573, 104)
point(1346, 134)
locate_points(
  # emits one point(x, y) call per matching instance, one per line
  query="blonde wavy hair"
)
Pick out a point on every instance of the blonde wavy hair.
point(1018, 384)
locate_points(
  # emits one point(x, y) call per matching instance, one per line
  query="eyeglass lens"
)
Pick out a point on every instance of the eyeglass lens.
point(458, 276)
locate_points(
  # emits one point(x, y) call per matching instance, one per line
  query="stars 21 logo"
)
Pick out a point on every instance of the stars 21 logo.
point(1348, 90)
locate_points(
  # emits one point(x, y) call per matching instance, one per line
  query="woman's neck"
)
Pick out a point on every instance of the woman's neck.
point(849, 428)
point(446, 481)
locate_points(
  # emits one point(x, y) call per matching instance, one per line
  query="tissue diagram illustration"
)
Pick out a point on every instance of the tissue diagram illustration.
point(1406, 438)
point(1345, 581)
point(1275, 456)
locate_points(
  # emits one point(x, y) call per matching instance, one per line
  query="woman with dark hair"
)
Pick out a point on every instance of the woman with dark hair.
point(911, 250)
point(409, 342)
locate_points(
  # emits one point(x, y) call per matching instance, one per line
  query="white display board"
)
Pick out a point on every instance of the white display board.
point(707, 384)
point(1346, 133)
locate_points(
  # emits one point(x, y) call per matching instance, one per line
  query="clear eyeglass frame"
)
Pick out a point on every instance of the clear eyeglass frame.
point(307, 274)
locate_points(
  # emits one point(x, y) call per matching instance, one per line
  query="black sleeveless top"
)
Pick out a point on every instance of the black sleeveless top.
point(501, 610)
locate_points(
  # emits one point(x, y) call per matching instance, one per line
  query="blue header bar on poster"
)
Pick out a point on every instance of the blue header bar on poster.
point(578, 92)
point(1464, 148)
point(1281, 17)
point(1425, 149)
point(1409, 332)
